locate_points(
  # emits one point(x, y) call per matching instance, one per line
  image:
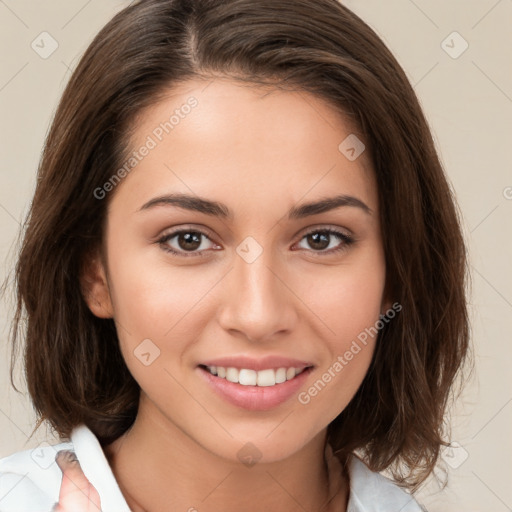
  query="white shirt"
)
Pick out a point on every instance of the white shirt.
point(30, 480)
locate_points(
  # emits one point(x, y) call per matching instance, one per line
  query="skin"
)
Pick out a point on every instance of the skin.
point(260, 151)
point(76, 492)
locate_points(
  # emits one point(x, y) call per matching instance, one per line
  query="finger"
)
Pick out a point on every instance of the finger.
point(77, 494)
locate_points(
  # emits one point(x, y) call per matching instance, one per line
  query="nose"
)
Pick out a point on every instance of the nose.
point(258, 302)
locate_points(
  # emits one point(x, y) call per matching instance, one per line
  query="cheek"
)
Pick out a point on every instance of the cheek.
point(349, 352)
point(168, 305)
point(150, 295)
point(335, 384)
point(348, 299)
point(349, 304)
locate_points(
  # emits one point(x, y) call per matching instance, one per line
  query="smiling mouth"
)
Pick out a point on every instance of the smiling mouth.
point(262, 378)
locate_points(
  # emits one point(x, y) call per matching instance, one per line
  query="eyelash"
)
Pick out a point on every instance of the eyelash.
point(346, 239)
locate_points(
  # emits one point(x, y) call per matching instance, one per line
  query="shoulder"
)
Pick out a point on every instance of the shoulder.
point(373, 492)
point(30, 479)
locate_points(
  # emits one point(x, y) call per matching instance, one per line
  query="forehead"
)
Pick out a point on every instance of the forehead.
point(216, 137)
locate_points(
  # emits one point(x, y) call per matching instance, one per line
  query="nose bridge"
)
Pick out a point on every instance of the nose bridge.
point(257, 303)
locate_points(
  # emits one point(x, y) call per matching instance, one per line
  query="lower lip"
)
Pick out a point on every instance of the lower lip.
point(255, 398)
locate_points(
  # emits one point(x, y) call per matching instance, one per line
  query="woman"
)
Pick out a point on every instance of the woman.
point(243, 271)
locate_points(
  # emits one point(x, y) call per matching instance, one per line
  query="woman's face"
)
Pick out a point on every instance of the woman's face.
point(256, 283)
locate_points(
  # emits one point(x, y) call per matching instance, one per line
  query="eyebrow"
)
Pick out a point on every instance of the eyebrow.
point(216, 209)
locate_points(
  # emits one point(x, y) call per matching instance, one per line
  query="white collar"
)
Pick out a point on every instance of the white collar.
point(96, 468)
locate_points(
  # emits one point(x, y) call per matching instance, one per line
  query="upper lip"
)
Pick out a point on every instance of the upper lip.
point(262, 363)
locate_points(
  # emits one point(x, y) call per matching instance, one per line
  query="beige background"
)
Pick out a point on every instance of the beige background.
point(468, 101)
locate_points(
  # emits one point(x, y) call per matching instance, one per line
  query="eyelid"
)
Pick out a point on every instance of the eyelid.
point(186, 227)
point(325, 227)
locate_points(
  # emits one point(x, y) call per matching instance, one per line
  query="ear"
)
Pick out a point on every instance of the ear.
point(94, 285)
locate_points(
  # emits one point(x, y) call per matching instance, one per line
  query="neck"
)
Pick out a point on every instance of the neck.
point(158, 467)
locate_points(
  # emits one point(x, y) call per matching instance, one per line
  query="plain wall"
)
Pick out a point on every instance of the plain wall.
point(468, 102)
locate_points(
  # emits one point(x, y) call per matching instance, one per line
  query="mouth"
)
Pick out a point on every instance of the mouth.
point(248, 377)
point(263, 386)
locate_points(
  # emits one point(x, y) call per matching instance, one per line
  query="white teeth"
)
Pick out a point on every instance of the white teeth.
point(248, 377)
point(280, 375)
point(266, 378)
point(232, 374)
point(262, 378)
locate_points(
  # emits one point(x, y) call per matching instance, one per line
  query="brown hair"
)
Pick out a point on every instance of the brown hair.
point(74, 369)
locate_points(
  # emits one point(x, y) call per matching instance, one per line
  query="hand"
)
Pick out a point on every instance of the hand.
point(77, 494)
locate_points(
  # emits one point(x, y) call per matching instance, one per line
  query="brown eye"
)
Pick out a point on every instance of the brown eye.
point(189, 241)
point(327, 240)
point(185, 241)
